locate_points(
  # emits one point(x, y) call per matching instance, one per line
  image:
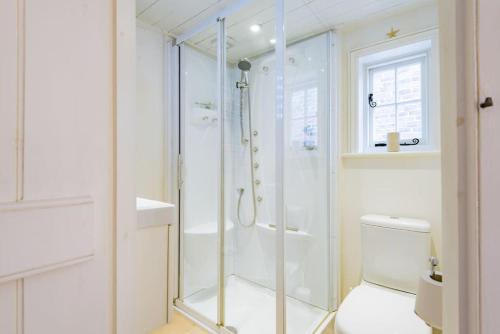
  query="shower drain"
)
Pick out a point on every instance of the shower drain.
point(232, 329)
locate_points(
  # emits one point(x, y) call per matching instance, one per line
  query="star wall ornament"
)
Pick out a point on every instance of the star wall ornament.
point(392, 33)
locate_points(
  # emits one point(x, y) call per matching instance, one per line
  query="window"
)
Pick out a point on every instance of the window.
point(398, 101)
point(304, 118)
point(396, 88)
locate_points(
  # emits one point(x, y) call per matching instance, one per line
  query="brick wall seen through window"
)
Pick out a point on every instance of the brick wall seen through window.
point(398, 90)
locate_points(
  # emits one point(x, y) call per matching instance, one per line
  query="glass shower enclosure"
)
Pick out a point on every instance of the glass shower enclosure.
point(256, 143)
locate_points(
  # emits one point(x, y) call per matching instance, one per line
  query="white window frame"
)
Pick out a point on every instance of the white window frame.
point(368, 111)
point(411, 45)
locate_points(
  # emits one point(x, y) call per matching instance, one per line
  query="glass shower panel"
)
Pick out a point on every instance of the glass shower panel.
point(199, 195)
point(245, 292)
point(307, 168)
point(249, 149)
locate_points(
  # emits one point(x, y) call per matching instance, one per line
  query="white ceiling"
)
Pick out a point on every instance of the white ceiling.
point(304, 18)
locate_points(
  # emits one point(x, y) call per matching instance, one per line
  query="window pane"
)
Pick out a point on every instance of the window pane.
point(297, 131)
point(304, 127)
point(383, 86)
point(409, 79)
point(298, 104)
point(311, 133)
point(312, 101)
point(410, 120)
point(384, 121)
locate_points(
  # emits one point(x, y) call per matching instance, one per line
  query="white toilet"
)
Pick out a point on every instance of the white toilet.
point(395, 253)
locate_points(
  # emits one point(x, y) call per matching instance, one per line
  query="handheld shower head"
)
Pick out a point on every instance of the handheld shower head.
point(244, 65)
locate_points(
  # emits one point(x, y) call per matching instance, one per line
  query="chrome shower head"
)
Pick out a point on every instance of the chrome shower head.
point(244, 65)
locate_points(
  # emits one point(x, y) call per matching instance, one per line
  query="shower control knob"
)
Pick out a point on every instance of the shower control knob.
point(256, 165)
point(257, 182)
point(259, 198)
point(255, 149)
point(255, 133)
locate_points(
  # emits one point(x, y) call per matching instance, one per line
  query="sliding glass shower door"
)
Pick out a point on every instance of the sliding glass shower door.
point(250, 183)
point(199, 148)
point(255, 173)
point(308, 175)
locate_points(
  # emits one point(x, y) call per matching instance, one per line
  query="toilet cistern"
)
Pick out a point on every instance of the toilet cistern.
point(395, 252)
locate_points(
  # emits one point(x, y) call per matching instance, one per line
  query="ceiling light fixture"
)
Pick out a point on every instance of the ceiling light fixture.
point(255, 27)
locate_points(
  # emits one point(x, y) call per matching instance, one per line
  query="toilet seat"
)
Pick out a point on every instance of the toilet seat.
point(373, 309)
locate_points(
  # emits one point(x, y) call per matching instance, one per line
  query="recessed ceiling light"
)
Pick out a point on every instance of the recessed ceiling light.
point(255, 27)
point(272, 41)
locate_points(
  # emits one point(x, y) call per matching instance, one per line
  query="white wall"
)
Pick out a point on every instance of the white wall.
point(397, 185)
point(64, 91)
point(150, 120)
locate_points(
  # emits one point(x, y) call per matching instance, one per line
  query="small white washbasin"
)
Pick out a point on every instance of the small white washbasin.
point(154, 213)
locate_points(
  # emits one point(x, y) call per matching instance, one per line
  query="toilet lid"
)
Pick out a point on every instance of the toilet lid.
point(372, 309)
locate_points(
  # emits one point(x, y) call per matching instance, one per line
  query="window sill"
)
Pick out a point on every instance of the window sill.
point(391, 155)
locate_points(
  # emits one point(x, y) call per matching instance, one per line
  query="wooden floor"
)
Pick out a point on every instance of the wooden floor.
point(180, 325)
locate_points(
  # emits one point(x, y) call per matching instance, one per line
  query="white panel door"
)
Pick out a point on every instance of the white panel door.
point(489, 119)
point(56, 166)
point(8, 99)
point(8, 307)
point(8, 143)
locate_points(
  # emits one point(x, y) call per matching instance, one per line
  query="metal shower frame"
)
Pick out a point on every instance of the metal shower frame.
point(175, 178)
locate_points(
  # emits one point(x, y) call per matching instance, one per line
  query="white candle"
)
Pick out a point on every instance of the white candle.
point(393, 142)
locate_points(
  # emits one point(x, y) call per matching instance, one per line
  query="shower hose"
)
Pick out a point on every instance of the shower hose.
point(252, 158)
